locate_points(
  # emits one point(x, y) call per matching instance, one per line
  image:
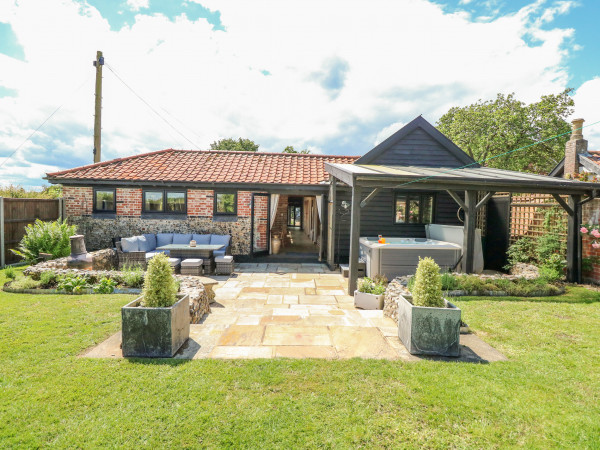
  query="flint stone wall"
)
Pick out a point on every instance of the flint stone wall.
point(200, 296)
point(99, 232)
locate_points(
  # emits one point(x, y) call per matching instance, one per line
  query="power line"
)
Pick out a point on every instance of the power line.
point(44, 122)
point(496, 156)
point(151, 108)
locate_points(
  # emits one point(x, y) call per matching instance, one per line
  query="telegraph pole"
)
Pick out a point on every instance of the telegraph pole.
point(98, 63)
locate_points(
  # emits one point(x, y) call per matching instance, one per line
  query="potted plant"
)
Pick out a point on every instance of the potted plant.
point(369, 294)
point(157, 323)
point(428, 324)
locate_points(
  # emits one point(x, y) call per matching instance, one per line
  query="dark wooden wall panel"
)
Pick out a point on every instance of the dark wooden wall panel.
point(418, 149)
point(18, 213)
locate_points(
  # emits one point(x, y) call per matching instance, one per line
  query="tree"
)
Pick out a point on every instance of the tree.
point(291, 149)
point(487, 129)
point(240, 145)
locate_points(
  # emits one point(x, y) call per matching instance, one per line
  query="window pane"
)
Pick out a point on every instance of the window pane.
point(105, 200)
point(413, 210)
point(176, 202)
point(226, 203)
point(153, 201)
point(400, 209)
point(427, 208)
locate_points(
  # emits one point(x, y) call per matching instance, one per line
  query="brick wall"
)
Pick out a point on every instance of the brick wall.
point(590, 215)
point(129, 202)
point(200, 203)
point(78, 200)
point(243, 203)
point(280, 223)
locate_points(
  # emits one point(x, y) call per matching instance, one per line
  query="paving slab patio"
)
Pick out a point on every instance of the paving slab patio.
point(294, 311)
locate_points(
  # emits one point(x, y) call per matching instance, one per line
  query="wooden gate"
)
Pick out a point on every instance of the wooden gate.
point(15, 215)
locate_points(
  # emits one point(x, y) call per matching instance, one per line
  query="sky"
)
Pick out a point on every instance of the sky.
point(335, 76)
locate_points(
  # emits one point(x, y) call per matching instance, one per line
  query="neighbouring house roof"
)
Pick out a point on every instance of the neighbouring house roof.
point(590, 161)
point(207, 166)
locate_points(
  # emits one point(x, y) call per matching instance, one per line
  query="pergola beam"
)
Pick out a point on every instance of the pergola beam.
point(369, 197)
point(564, 204)
point(469, 231)
point(457, 199)
point(332, 211)
point(484, 200)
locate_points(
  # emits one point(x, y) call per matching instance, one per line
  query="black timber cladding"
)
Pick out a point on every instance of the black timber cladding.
point(418, 144)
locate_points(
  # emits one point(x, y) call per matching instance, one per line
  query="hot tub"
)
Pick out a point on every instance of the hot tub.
point(400, 256)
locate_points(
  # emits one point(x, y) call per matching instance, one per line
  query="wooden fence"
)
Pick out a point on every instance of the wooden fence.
point(534, 214)
point(16, 214)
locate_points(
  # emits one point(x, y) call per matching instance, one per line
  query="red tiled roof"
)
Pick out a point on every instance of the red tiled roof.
point(209, 166)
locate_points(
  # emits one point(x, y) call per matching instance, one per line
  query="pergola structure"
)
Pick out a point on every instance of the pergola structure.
point(370, 179)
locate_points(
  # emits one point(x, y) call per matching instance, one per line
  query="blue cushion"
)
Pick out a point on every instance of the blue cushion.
point(220, 239)
point(150, 242)
point(130, 244)
point(219, 253)
point(201, 239)
point(182, 238)
point(164, 239)
point(144, 245)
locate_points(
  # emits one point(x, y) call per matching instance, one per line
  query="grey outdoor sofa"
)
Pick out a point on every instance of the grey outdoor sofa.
point(138, 250)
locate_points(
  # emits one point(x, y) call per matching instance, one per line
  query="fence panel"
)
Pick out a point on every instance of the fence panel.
point(535, 214)
point(18, 213)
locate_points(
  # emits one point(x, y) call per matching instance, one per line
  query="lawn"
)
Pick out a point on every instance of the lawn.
point(546, 395)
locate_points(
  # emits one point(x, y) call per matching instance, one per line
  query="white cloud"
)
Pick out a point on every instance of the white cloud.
point(587, 106)
point(136, 5)
point(338, 73)
point(387, 132)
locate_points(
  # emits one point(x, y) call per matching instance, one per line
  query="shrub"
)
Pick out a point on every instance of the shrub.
point(159, 285)
point(25, 283)
point(522, 251)
point(550, 274)
point(48, 278)
point(380, 279)
point(449, 282)
point(547, 246)
point(369, 286)
point(427, 290)
point(72, 284)
point(133, 276)
point(10, 273)
point(105, 286)
point(46, 237)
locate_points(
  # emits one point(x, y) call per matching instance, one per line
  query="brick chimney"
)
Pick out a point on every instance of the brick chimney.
point(575, 146)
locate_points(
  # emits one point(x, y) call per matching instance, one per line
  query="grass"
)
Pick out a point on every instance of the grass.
point(547, 395)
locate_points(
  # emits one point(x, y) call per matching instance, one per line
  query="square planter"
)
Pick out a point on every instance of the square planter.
point(155, 332)
point(429, 331)
point(368, 301)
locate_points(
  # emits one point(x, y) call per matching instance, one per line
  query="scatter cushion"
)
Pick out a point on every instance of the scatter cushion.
point(191, 262)
point(150, 255)
point(182, 238)
point(220, 239)
point(130, 244)
point(164, 239)
point(151, 242)
point(144, 245)
point(201, 239)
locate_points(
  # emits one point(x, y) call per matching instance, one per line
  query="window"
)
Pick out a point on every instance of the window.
point(225, 203)
point(170, 202)
point(413, 208)
point(104, 200)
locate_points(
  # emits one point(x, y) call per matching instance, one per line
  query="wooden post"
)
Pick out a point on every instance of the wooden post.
point(574, 240)
point(2, 256)
point(332, 222)
point(354, 239)
point(98, 107)
point(324, 220)
point(61, 208)
point(469, 231)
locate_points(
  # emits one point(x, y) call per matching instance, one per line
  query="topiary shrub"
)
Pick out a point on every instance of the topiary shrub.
point(427, 289)
point(159, 285)
point(46, 237)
